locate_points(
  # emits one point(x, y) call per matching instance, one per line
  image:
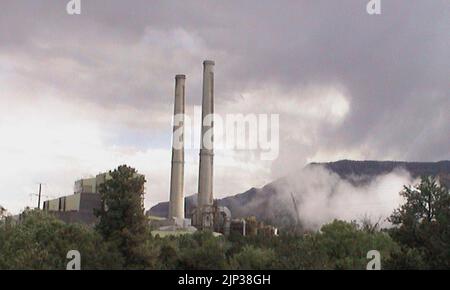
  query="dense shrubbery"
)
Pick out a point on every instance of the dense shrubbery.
point(423, 227)
point(42, 242)
point(339, 245)
point(419, 240)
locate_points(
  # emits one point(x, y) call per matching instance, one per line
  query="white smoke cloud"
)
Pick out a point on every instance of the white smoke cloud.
point(322, 196)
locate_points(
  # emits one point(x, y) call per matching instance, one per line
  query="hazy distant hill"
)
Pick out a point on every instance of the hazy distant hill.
point(259, 202)
point(369, 169)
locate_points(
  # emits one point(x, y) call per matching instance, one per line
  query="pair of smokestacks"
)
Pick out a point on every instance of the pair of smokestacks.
point(205, 182)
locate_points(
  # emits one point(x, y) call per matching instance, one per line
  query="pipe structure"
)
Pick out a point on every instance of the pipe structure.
point(205, 184)
point(176, 204)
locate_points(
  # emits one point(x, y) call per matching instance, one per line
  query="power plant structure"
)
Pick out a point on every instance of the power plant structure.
point(176, 204)
point(207, 215)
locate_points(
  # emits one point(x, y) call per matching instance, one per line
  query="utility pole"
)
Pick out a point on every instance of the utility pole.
point(39, 196)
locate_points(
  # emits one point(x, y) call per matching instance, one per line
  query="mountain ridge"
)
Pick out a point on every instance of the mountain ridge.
point(247, 204)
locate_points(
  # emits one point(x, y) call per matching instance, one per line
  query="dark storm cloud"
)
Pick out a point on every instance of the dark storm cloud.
point(394, 67)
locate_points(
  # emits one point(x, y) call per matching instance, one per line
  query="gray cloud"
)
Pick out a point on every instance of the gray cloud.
point(393, 69)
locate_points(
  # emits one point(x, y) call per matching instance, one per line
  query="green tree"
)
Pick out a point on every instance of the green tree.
point(203, 251)
point(41, 242)
point(338, 245)
point(347, 245)
point(168, 257)
point(423, 222)
point(3, 212)
point(252, 258)
point(407, 258)
point(122, 218)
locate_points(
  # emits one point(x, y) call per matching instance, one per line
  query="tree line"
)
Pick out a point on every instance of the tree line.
point(418, 239)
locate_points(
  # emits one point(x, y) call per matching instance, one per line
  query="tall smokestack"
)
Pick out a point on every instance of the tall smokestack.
point(176, 205)
point(205, 184)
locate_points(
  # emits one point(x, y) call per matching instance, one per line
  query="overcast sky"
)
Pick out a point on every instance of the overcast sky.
point(83, 94)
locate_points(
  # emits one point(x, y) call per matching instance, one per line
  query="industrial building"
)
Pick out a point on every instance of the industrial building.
point(79, 207)
point(207, 215)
